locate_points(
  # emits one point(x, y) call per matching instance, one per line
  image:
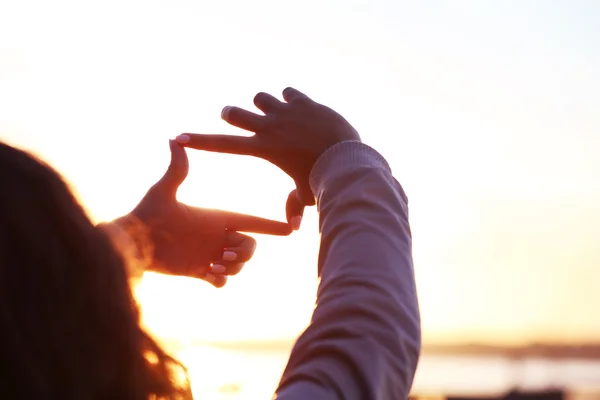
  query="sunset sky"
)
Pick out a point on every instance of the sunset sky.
point(488, 112)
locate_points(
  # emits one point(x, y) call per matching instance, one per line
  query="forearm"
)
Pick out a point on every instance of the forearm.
point(364, 337)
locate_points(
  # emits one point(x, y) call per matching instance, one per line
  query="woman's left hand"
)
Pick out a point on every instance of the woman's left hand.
point(190, 241)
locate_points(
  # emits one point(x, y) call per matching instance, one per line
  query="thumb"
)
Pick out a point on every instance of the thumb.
point(294, 210)
point(304, 193)
point(177, 171)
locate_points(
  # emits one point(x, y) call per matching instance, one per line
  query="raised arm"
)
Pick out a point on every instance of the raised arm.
point(364, 338)
point(163, 235)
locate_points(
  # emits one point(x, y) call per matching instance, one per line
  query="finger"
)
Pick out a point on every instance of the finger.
point(291, 94)
point(267, 103)
point(221, 143)
point(305, 194)
point(238, 247)
point(230, 268)
point(177, 171)
point(250, 223)
point(243, 119)
point(294, 210)
point(217, 281)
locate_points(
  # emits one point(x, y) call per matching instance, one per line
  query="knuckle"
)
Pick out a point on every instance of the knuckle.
point(251, 246)
point(271, 120)
point(155, 190)
point(246, 252)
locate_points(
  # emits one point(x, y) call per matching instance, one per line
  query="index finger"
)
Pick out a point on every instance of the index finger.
point(252, 224)
point(230, 144)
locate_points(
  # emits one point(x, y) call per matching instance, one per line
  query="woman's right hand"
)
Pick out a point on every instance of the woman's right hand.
point(292, 135)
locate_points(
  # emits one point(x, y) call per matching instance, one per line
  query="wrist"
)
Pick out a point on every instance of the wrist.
point(340, 158)
point(131, 239)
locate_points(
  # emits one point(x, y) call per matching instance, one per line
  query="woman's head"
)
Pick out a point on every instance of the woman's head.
point(69, 325)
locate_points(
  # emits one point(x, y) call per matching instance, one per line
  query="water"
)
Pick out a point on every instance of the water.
point(251, 375)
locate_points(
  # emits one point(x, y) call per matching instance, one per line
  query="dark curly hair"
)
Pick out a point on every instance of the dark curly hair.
point(69, 324)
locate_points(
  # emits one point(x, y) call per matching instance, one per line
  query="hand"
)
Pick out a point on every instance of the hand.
point(187, 240)
point(292, 135)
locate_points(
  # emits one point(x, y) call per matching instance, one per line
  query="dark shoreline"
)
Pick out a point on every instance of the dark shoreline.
point(584, 351)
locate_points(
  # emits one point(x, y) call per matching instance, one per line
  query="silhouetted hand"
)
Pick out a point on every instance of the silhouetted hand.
point(291, 134)
point(187, 240)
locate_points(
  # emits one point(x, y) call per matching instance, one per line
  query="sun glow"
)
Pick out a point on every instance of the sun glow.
point(493, 133)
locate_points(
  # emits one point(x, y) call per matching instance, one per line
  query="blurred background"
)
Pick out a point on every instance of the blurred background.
point(486, 110)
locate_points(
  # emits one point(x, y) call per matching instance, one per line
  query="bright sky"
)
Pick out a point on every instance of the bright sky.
point(487, 112)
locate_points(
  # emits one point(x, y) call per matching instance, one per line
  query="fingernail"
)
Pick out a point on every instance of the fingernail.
point(210, 277)
point(295, 222)
point(183, 139)
point(229, 255)
point(225, 112)
point(217, 268)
